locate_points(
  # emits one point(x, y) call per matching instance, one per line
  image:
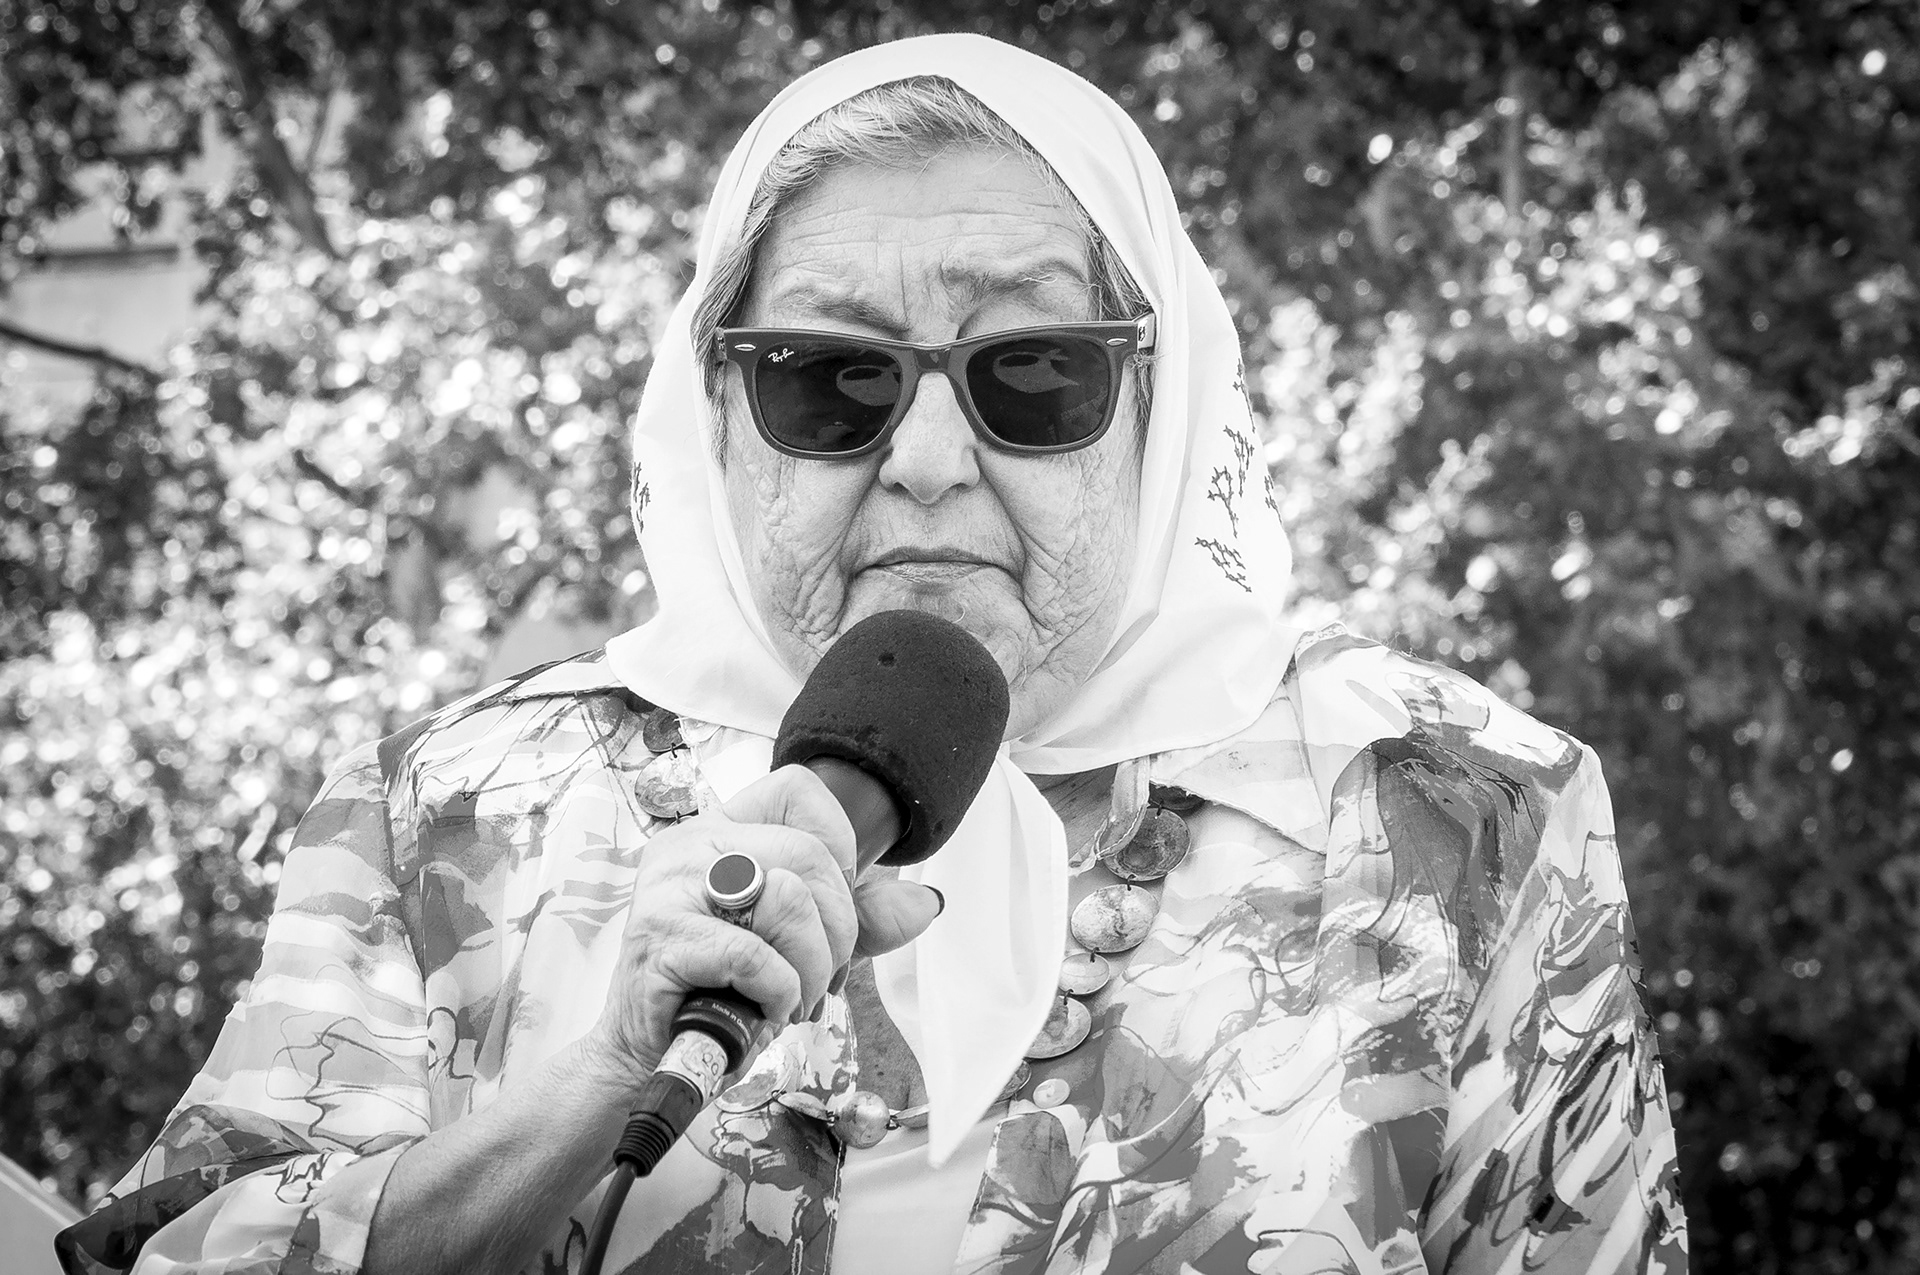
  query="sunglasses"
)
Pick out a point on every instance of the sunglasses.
point(1032, 391)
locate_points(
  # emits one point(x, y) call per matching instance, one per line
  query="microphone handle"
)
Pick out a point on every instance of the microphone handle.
point(878, 823)
point(716, 1026)
point(711, 1036)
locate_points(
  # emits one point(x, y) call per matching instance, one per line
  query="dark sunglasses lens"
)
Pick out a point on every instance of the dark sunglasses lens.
point(827, 397)
point(1042, 391)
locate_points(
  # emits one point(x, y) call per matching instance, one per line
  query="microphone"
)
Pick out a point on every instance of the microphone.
point(901, 719)
point(908, 706)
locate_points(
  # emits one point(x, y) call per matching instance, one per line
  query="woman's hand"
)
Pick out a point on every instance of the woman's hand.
point(805, 926)
point(484, 1191)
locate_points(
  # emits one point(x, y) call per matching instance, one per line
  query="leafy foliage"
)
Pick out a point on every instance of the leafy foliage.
point(1583, 333)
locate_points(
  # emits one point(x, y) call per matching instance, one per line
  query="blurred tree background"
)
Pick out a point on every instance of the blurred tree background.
point(1583, 332)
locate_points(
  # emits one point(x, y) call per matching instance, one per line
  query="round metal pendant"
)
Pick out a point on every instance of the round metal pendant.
point(1084, 973)
point(1158, 848)
point(1113, 918)
point(660, 731)
point(665, 786)
point(863, 1121)
point(1051, 1093)
point(1178, 800)
point(1066, 1027)
point(1015, 1083)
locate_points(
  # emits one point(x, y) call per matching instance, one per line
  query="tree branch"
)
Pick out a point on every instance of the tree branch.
point(229, 43)
point(306, 464)
point(1513, 140)
point(67, 349)
point(323, 117)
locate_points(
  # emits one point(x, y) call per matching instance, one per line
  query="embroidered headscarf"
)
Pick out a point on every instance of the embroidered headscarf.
point(1201, 643)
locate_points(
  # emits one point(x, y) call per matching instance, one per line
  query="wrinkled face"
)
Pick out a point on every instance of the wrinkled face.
point(1030, 554)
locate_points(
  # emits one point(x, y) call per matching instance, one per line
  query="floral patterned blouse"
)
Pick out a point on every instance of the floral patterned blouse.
point(1387, 1019)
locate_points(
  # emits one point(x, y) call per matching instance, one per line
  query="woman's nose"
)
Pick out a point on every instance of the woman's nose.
point(934, 450)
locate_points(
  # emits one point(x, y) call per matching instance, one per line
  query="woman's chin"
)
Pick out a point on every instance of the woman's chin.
point(976, 601)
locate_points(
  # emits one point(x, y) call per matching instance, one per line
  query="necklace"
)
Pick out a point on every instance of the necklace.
point(1145, 836)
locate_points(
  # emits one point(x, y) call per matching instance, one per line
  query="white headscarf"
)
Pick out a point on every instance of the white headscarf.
point(1201, 644)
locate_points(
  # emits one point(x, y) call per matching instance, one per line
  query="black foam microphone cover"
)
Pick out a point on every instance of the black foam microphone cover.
point(916, 702)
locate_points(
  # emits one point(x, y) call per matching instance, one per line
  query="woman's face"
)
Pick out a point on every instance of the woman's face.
point(1030, 554)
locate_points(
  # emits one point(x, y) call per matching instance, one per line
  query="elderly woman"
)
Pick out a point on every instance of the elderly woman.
point(1259, 951)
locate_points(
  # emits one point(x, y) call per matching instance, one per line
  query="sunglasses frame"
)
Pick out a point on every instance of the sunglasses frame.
point(1120, 339)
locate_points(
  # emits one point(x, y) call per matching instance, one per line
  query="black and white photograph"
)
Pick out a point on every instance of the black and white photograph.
point(959, 637)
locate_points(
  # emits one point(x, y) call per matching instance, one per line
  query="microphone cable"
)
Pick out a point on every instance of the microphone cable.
point(710, 1037)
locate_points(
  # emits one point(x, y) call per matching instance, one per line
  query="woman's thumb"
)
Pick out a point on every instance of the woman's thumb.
point(893, 913)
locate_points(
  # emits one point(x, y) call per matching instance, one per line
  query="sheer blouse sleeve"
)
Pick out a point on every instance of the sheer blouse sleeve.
point(1559, 1148)
point(277, 1154)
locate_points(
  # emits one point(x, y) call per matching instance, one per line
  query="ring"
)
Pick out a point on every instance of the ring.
point(734, 883)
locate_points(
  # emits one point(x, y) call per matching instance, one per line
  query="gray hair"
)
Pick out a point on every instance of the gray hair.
point(897, 125)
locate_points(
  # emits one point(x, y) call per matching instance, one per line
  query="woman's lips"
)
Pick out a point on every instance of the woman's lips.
point(930, 565)
point(935, 572)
